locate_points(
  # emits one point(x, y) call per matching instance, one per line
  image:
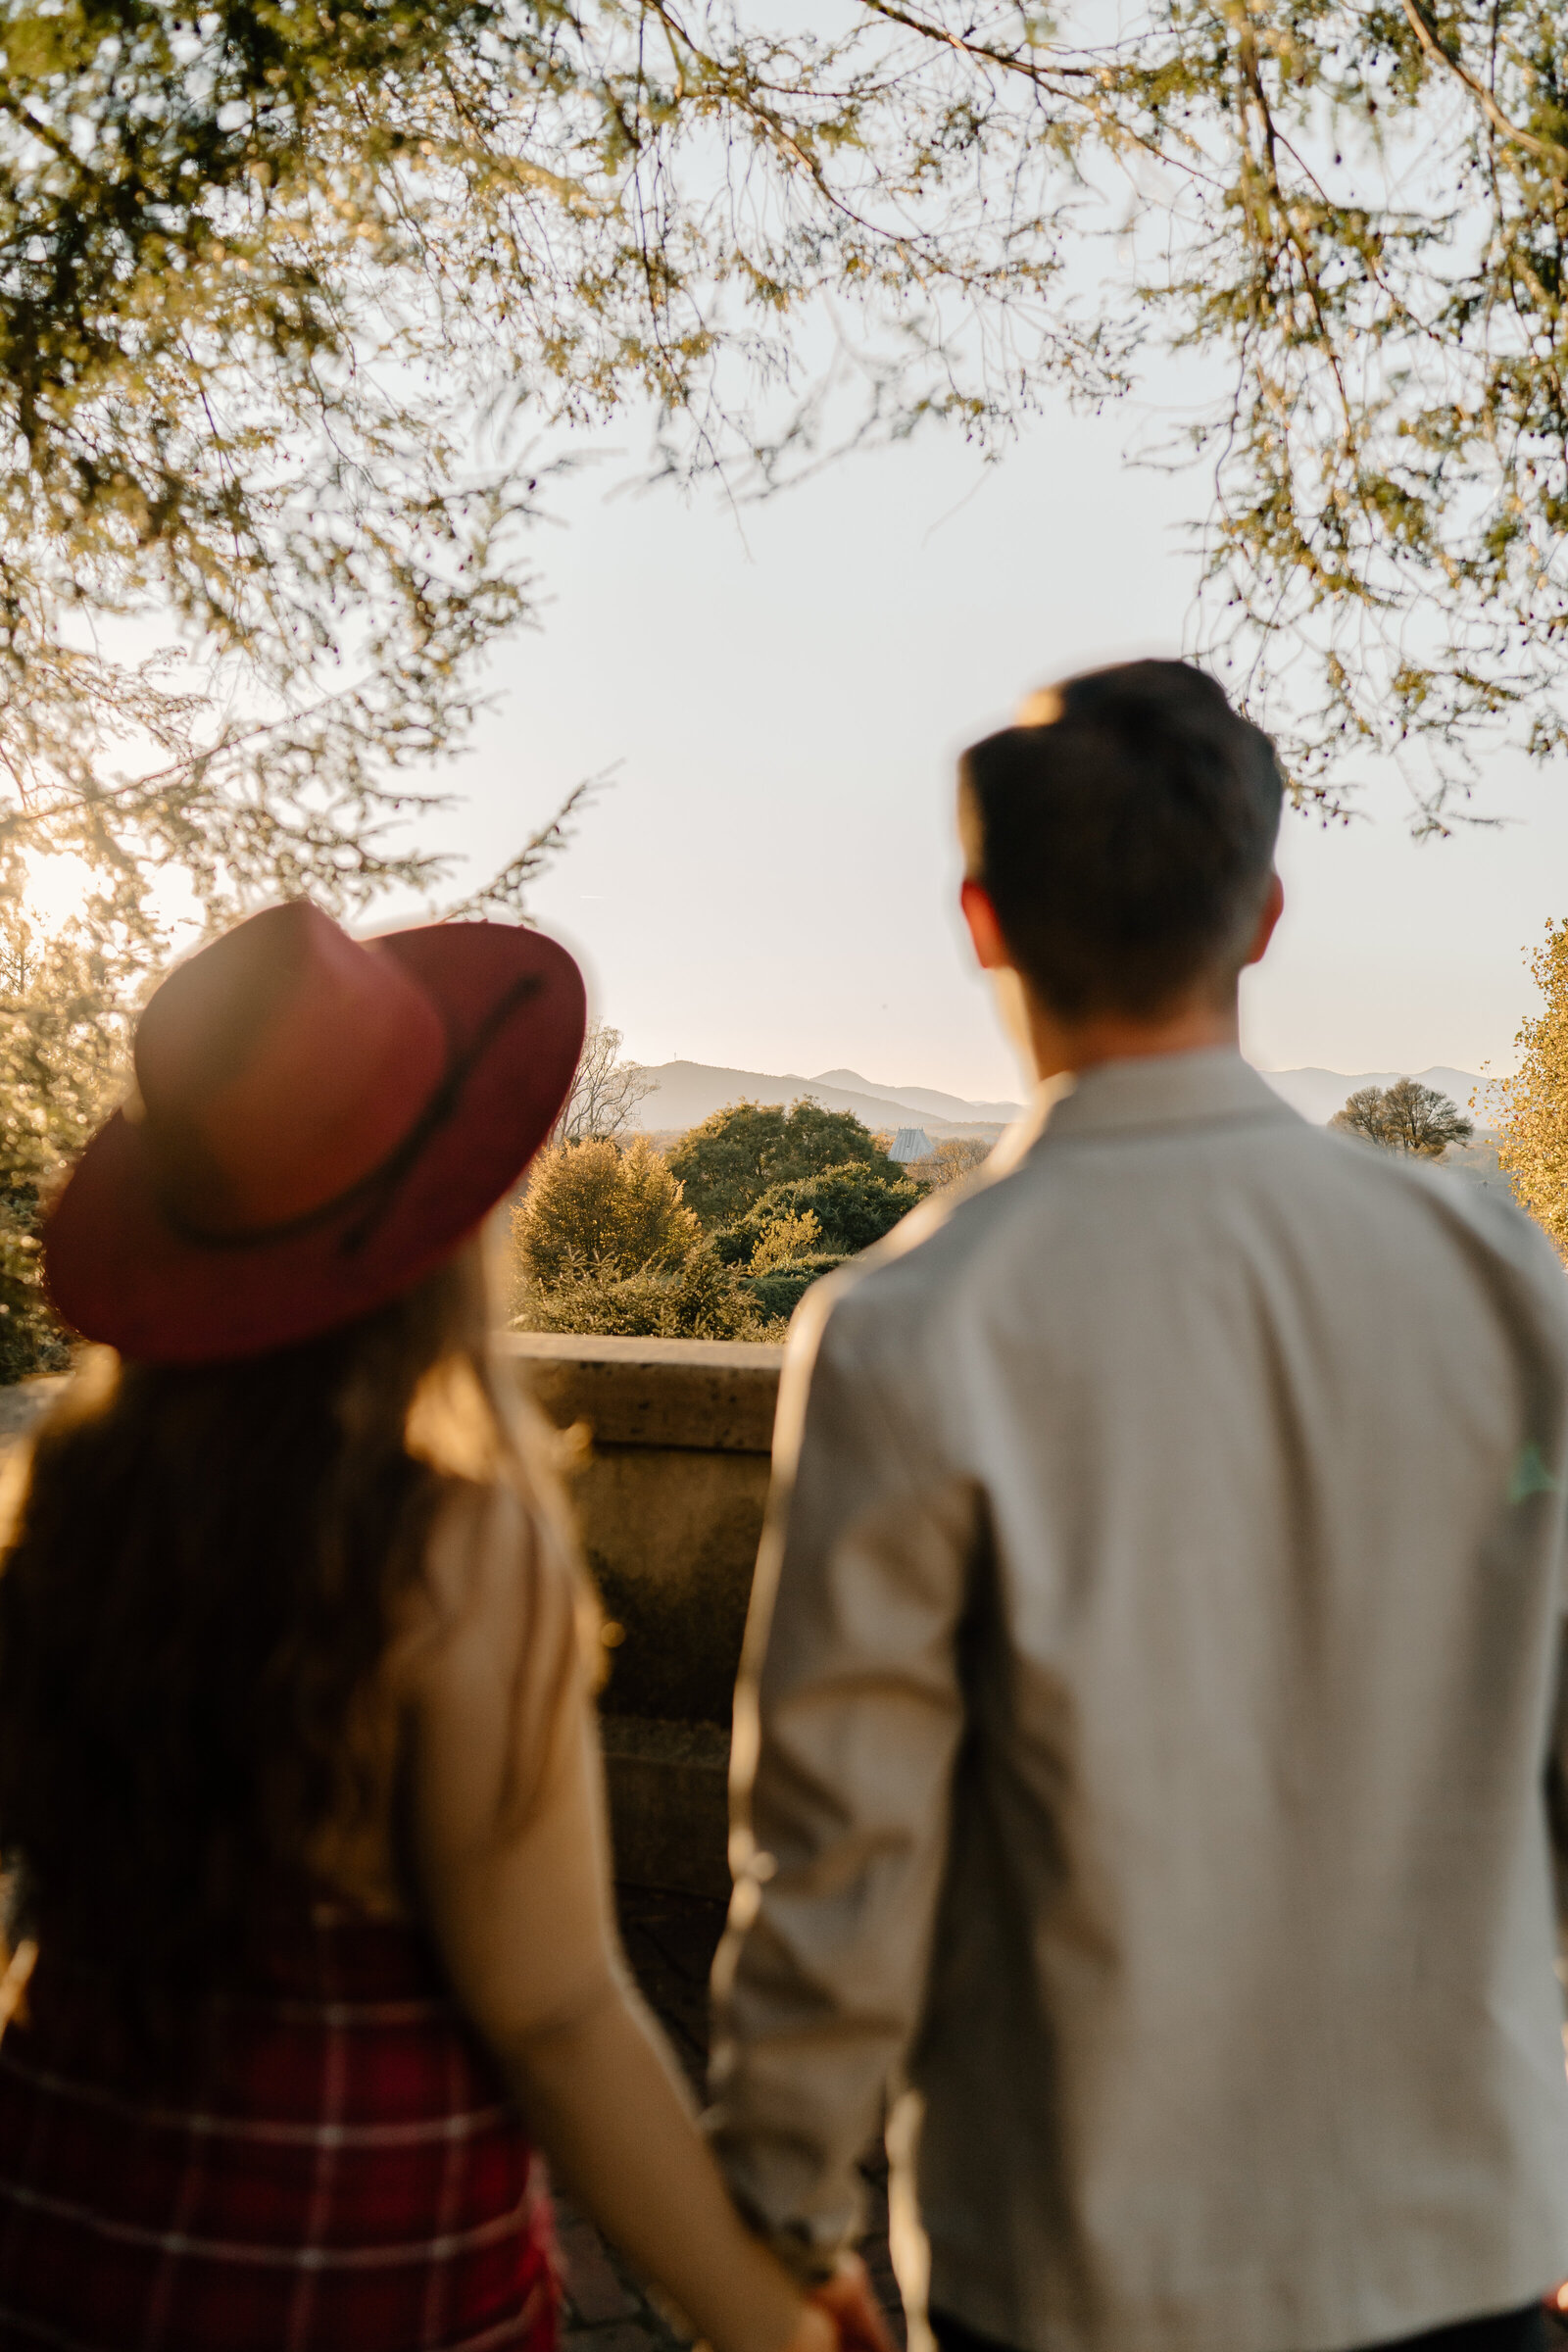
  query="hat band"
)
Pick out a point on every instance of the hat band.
point(372, 1195)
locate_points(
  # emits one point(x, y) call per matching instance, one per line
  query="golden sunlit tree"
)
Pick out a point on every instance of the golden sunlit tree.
point(593, 1206)
point(603, 1243)
point(1532, 1106)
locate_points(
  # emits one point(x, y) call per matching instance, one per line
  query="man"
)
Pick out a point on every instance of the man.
point(1147, 1744)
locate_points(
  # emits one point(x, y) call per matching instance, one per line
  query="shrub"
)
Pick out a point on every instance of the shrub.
point(854, 1205)
point(785, 1241)
point(696, 1300)
point(779, 1291)
point(597, 1207)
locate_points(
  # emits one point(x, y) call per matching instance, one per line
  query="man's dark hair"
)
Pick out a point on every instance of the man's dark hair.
point(1124, 831)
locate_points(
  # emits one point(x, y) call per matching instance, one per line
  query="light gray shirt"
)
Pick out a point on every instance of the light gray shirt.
point(1147, 1744)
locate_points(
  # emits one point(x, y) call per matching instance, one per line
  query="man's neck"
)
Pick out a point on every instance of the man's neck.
point(1059, 1046)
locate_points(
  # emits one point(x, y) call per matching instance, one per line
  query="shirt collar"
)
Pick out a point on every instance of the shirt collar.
point(1158, 1091)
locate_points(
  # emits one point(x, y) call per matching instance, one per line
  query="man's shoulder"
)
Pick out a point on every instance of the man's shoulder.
point(1484, 1215)
point(1039, 1209)
point(897, 1286)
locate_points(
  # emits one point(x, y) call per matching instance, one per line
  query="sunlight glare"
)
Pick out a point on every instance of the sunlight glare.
point(56, 886)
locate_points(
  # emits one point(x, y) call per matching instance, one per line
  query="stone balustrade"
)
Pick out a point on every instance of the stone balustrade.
point(671, 1506)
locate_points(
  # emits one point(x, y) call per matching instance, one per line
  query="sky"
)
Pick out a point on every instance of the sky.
point(768, 881)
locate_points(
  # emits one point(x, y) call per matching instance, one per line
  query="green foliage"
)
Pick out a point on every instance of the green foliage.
point(852, 1206)
point(1366, 229)
point(732, 1158)
point(802, 1228)
point(1407, 1117)
point(779, 1290)
point(597, 1209)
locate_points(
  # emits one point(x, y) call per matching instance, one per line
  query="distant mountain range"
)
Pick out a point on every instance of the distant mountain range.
point(688, 1090)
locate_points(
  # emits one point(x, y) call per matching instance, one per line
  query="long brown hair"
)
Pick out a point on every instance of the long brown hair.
point(195, 1599)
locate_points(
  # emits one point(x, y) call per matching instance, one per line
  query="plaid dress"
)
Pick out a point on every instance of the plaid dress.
point(341, 2171)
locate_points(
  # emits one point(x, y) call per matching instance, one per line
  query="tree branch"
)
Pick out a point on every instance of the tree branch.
point(1548, 150)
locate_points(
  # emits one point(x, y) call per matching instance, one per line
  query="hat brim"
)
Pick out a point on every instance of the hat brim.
point(118, 1271)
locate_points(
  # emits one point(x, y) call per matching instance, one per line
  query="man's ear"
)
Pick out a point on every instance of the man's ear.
point(1270, 913)
point(991, 948)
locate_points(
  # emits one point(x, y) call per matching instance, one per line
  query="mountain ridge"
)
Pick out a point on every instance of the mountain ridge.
point(689, 1091)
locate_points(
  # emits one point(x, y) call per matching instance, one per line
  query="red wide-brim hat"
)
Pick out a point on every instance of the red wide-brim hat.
point(319, 1121)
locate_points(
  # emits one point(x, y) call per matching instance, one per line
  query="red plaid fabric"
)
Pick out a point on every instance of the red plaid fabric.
point(342, 2171)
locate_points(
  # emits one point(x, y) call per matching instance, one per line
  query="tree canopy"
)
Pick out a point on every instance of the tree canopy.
point(286, 287)
point(1407, 1117)
point(850, 1207)
point(736, 1153)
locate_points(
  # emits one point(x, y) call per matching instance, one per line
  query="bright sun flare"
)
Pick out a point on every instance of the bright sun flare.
point(56, 889)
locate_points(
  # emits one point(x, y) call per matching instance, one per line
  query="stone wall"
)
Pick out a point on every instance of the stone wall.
point(670, 1505)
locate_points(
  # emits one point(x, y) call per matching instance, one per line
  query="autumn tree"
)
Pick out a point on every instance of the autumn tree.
point(1531, 1108)
point(1407, 1117)
point(952, 1159)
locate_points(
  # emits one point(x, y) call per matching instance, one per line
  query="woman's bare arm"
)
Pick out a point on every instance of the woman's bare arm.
point(511, 1850)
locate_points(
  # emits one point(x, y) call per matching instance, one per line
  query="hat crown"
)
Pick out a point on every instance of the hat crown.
point(279, 1067)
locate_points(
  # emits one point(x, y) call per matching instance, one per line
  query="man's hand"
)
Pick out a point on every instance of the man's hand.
point(849, 2301)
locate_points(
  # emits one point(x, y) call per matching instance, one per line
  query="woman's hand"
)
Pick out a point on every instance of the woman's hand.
point(847, 2300)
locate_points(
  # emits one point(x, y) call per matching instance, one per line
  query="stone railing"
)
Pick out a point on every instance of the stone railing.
point(670, 1500)
point(670, 1505)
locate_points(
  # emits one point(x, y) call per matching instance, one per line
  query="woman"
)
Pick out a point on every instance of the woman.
point(298, 1787)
